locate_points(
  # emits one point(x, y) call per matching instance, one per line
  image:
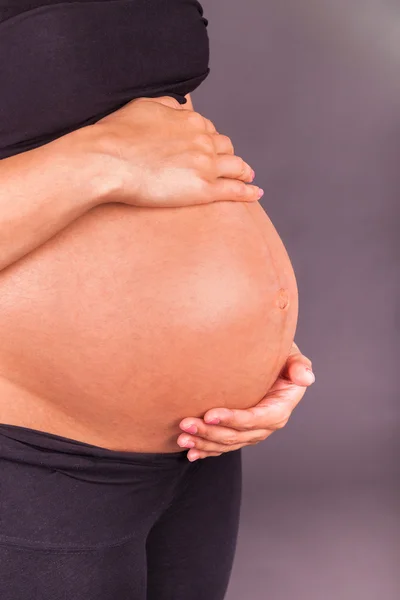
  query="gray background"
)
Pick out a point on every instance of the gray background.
point(308, 91)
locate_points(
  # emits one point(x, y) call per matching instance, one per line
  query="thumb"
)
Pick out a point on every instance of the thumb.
point(298, 368)
point(299, 371)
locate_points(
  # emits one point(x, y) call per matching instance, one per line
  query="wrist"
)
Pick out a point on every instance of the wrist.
point(85, 150)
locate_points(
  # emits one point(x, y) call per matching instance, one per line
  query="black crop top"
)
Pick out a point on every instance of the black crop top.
point(64, 65)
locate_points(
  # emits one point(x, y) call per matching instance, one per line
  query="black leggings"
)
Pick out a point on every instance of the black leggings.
point(81, 522)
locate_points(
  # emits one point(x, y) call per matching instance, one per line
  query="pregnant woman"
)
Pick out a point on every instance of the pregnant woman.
point(140, 282)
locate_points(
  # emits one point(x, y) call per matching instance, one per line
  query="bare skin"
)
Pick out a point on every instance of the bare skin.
point(173, 157)
point(130, 317)
point(224, 430)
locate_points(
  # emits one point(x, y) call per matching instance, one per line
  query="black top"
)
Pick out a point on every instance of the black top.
point(64, 65)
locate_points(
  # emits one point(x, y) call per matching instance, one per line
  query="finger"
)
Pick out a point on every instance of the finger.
point(238, 419)
point(219, 441)
point(166, 100)
point(191, 424)
point(299, 373)
point(298, 368)
point(209, 428)
point(233, 166)
point(199, 427)
point(279, 406)
point(217, 449)
point(223, 144)
point(198, 121)
point(224, 188)
point(265, 415)
point(193, 455)
point(209, 126)
point(208, 447)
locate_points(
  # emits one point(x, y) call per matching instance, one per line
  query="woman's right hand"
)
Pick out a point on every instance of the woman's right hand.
point(167, 156)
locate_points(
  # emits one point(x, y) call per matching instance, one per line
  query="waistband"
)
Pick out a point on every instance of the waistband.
point(41, 448)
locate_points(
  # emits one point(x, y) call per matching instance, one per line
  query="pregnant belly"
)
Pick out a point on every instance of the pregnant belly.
point(132, 318)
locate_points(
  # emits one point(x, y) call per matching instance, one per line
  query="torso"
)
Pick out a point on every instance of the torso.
point(130, 318)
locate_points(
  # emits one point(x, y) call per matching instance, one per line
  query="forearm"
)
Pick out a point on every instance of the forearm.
point(45, 189)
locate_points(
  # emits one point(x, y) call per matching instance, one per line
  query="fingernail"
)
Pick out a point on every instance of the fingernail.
point(253, 175)
point(214, 421)
point(190, 428)
point(311, 374)
point(260, 192)
point(193, 457)
point(186, 444)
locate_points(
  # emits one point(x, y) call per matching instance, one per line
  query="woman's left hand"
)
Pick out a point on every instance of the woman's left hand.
point(223, 429)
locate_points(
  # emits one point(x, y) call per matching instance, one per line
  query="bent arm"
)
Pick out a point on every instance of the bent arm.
point(43, 190)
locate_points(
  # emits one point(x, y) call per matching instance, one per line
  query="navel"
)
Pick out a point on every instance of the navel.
point(283, 298)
